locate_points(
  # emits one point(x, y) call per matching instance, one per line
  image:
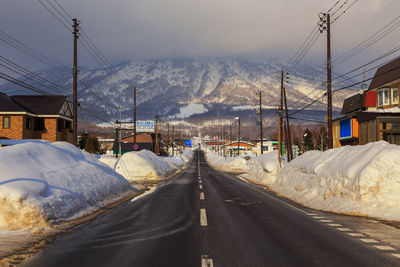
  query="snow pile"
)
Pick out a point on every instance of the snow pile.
point(356, 180)
point(263, 169)
point(145, 165)
point(361, 180)
point(176, 162)
point(42, 184)
point(188, 155)
point(228, 164)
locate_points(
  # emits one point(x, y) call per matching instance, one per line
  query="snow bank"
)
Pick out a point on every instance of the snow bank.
point(361, 180)
point(263, 169)
point(42, 184)
point(228, 164)
point(357, 180)
point(145, 165)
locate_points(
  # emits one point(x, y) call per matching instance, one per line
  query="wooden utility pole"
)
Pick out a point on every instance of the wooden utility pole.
point(329, 76)
point(172, 143)
point(134, 116)
point(280, 122)
point(230, 137)
point(238, 146)
point(156, 146)
point(261, 126)
point(75, 80)
point(289, 150)
point(325, 25)
point(168, 138)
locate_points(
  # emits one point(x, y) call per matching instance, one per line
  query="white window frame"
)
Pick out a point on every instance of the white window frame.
point(385, 100)
point(392, 91)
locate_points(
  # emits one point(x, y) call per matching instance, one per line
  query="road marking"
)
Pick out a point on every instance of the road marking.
point(367, 240)
point(206, 262)
point(203, 217)
point(202, 196)
point(384, 248)
point(319, 217)
point(355, 234)
point(345, 229)
point(311, 214)
point(335, 224)
point(200, 186)
point(396, 255)
point(326, 221)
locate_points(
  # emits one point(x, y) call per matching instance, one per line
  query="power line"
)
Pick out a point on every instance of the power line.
point(56, 17)
point(21, 83)
point(335, 19)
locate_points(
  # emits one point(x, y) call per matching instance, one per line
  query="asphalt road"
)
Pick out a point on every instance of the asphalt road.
point(206, 218)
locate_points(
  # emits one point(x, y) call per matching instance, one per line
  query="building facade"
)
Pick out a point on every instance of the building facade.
point(36, 117)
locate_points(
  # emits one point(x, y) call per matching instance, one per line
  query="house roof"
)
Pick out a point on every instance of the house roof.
point(41, 104)
point(36, 104)
point(7, 104)
point(353, 103)
point(386, 74)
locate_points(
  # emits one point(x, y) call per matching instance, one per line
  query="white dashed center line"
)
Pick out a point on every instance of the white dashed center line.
point(318, 217)
point(200, 186)
point(206, 262)
point(203, 217)
point(396, 255)
point(345, 229)
point(355, 234)
point(366, 240)
point(335, 224)
point(326, 221)
point(384, 248)
point(202, 196)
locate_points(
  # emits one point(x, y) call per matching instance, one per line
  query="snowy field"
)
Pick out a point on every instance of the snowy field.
point(357, 180)
point(144, 165)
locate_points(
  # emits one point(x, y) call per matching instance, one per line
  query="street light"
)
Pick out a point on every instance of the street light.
point(238, 118)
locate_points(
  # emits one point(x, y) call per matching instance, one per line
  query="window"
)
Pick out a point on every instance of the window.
point(395, 96)
point(28, 124)
point(6, 122)
point(39, 124)
point(383, 97)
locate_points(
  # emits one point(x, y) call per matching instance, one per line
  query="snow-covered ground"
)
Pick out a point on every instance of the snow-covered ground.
point(358, 180)
point(42, 184)
point(144, 165)
point(228, 164)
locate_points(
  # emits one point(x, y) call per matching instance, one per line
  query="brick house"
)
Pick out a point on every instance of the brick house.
point(47, 117)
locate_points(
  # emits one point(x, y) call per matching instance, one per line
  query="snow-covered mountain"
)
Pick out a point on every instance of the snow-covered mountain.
point(178, 88)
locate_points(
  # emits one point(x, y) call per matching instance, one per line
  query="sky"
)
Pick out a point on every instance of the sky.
point(147, 29)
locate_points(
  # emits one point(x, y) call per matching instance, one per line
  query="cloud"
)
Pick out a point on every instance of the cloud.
point(139, 29)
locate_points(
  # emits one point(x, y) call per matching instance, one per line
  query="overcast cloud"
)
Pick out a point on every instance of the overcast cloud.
point(141, 29)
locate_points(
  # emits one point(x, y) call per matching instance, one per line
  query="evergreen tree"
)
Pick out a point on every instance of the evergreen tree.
point(90, 144)
point(307, 140)
point(82, 140)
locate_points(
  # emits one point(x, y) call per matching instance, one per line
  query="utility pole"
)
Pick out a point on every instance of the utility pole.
point(156, 145)
point(172, 143)
point(238, 146)
point(261, 126)
point(325, 25)
point(119, 128)
point(280, 123)
point(75, 80)
point(134, 116)
point(168, 138)
point(288, 137)
point(230, 137)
